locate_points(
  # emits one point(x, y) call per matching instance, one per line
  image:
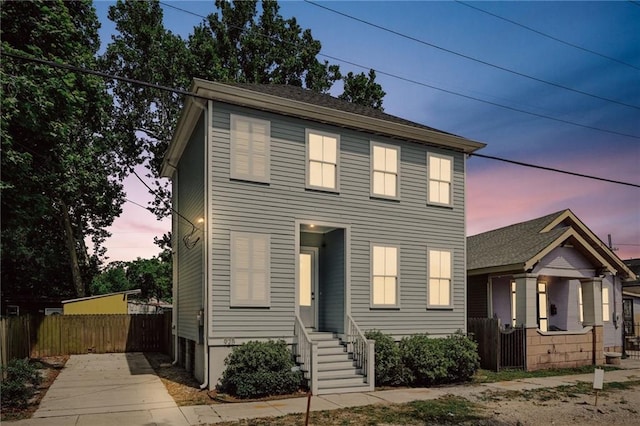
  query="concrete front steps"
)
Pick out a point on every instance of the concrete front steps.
point(336, 370)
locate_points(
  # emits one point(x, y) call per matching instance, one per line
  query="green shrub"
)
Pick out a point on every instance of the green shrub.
point(424, 359)
point(389, 368)
point(463, 352)
point(19, 385)
point(257, 369)
point(437, 361)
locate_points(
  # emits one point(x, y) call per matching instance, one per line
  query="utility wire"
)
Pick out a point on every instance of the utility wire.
point(533, 30)
point(419, 83)
point(83, 70)
point(535, 114)
point(551, 169)
point(471, 58)
point(166, 203)
point(149, 209)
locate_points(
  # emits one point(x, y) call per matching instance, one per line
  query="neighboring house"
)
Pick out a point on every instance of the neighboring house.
point(150, 306)
point(298, 213)
point(631, 309)
point(112, 303)
point(555, 277)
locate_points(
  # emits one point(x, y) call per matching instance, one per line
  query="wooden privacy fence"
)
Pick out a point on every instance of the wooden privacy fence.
point(14, 338)
point(38, 336)
point(498, 349)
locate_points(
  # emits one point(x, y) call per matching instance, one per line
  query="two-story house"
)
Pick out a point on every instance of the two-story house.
point(310, 219)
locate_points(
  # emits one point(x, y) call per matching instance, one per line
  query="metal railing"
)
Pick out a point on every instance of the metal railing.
point(307, 351)
point(363, 350)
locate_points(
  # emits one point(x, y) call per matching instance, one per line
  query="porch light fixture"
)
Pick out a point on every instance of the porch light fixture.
point(312, 226)
point(201, 220)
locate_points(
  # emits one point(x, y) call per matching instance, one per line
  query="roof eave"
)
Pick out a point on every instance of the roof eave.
point(248, 98)
point(514, 268)
point(602, 249)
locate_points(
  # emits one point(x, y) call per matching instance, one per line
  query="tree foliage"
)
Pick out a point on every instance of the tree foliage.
point(153, 276)
point(241, 41)
point(363, 90)
point(60, 165)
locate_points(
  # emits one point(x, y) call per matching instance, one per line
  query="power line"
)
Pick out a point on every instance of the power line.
point(546, 35)
point(139, 205)
point(166, 203)
point(471, 58)
point(419, 83)
point(83, 70)
point(551, 169)
point(78, 69)
point(535, 114)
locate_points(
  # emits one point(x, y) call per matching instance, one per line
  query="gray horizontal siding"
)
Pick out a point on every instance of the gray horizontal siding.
point(190, 190)
point(410, 223)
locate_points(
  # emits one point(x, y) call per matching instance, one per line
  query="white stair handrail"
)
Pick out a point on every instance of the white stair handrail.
point(307, 350)
point(363, 350)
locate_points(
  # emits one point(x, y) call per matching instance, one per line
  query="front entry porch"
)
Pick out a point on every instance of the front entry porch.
point(329, 346)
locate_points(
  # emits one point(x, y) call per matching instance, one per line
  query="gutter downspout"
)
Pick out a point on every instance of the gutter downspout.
point(174, 258)
point(205, 244)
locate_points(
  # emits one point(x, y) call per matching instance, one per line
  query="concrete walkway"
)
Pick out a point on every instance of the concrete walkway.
point(107, 389)
point(121, 389)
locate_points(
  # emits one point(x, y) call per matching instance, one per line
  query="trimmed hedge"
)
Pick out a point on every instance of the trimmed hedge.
point(256, 369)
point(422, 361)
point(389, 368)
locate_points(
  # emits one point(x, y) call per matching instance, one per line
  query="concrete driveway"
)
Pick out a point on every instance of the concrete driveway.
point(107, 389)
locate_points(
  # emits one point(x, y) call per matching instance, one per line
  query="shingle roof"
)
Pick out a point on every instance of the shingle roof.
point(513, 244)
point(322, 99)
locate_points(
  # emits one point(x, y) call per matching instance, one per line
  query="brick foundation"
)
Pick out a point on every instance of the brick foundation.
point(563, 350)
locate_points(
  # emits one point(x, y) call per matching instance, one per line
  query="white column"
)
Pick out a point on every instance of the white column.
point(592, 300)
point(526, 296)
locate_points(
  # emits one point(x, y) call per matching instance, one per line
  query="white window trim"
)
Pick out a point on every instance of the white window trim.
point(546, 301)
point(429, 277)
point(444, 157)
point(232, 150)
point(267, 267)
point(371, 170)
point(580, 305)
point(307, 159)
point(384, 306)
point(606, 316)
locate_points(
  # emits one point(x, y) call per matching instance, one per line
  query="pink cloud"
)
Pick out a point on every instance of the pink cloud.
point(504, 194)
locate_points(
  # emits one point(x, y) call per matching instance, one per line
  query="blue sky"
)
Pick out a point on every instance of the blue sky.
point(498, 194)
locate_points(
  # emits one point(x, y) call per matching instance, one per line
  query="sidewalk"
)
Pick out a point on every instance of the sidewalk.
point(209, 414)
point(121, 389)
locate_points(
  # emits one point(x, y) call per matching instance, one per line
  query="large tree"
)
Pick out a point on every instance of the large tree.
point(239, 42)
point(60, 165)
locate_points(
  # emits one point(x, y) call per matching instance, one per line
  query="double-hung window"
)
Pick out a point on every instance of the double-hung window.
point(250, 269)
point(439, 284)
point(606, 313)
point(543, 316)
point(384, 276)
point(580, 304)
point(385, 166)
point(323, 151)
point(440, 175)
point(250, 146)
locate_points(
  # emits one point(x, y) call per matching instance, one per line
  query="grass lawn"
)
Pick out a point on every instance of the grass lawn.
point(487, 376)
point(446, 410)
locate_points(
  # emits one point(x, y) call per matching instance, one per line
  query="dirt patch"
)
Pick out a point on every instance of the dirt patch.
point(567, 405)
point(181, 385)
point(50, 367)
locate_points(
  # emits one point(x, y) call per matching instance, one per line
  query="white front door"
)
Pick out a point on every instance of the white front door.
point(307, 285)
